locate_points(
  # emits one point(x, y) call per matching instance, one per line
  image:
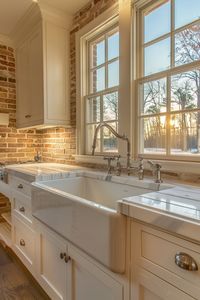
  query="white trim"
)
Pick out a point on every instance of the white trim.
point(98, 25)
point(5, 40)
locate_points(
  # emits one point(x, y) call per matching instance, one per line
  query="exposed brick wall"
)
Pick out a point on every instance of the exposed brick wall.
point(15, 144)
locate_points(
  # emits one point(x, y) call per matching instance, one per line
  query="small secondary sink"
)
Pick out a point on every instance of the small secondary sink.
point(83, 209)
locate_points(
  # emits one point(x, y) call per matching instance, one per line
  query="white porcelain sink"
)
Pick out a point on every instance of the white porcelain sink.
point(83, 209)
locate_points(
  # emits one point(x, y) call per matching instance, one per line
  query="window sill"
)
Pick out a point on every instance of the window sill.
point(167, 165)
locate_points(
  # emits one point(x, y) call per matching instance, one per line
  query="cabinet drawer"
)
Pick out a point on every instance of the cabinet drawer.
point(22, 207)
point(20, 185)
point(155, 251)
point(23, 241)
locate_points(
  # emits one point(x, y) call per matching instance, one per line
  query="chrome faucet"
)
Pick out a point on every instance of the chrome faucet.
point(139, 169)
point(122, 137)
point(156, 168)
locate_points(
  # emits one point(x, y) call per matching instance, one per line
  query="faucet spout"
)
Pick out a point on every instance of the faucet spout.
point(115, 133)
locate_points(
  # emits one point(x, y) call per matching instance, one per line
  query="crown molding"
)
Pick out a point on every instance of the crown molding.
point(25, 25)
point(6, 40)
point(55, 15)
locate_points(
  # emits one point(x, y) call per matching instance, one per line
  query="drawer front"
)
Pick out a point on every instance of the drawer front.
point(22, 208)
point(155, 251)
point(23, 242)
point(20, 185)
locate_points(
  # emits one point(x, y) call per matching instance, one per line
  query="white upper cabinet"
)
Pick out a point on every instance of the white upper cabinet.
point(42, 51)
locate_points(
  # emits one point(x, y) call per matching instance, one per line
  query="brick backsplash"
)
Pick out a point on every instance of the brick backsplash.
point(15, 145)
point(56, 144)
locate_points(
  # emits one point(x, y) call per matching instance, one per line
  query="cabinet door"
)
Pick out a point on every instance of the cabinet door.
point(23, 104)
point(146, 286)
point(36, 77)
point(89, 282)
point(52, 271)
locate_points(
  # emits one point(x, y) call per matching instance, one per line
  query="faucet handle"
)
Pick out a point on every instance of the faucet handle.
point(154, 165)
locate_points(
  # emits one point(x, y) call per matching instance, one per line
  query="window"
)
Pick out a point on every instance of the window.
point(101, 100)
point(169, 78)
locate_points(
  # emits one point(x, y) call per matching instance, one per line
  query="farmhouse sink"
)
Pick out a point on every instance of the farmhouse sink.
point(83, 209)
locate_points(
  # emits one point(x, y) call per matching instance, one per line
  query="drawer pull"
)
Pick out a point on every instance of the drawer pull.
point(22, 242)
point(67, 258)
point(28, 116)
point(185, 261)
point(62, 255)
point(22, 209)
point(20, 186)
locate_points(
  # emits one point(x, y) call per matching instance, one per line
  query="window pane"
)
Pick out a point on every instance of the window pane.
point(157, 57)
point(109, 140)
point(186, 11)
point(93, 110)
point(98, 80)
point(184, 134)
point(154, 97)
point(98, 53)
point(113, 46)
point(90, 129)
point(110, 106)
point(113, 74)
point(187, 45)
point(153, 131)
point(157, 22)
point(185, 90)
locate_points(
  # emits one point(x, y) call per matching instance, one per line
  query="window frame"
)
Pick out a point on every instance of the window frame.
point(139, 8)
point(107, 90)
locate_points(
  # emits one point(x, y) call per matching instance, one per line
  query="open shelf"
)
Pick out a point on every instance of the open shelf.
point(5, 233)
point(7, 217)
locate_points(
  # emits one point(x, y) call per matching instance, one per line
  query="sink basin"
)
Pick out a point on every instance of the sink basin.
point(83, 209)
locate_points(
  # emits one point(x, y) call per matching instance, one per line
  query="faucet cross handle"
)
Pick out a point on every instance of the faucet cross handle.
point(109, 159)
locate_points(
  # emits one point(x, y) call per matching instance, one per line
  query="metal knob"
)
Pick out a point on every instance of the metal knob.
point(20, 186)
point(62, 255)
point(22, 209)
point(185, 261)
point(67, 258)
point(22, 243)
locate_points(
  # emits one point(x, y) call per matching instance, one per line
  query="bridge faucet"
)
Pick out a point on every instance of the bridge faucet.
point(122, 137)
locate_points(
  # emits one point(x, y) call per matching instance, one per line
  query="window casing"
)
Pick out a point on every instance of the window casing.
point(168, 79)
point(101, 99)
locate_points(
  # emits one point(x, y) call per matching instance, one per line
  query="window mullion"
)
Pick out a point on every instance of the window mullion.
point(172, 34)
point(168, 117)
point(101, 120)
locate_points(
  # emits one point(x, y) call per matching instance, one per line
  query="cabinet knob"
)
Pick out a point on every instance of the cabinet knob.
point(62, 255)
point(20, 186)
point(22, 243)
point(22, 209)
point(67, 258)
point(28, 116)
point(185, 261)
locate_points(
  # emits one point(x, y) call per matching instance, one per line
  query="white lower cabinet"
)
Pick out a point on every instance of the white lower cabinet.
point(147, 286)
point(23, 239)
point(89, 282)
point(66, 274)
point(154, 273)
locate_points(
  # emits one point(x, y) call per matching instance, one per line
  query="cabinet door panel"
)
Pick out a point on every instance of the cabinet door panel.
point(36, 76)
point(146, 286)
point(23, 107)
point(89, 282)
point(52, 269)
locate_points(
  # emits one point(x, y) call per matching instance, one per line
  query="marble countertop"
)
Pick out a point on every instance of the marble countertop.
point(176, 209)
point(41, 171)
